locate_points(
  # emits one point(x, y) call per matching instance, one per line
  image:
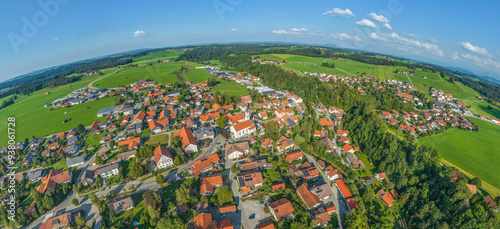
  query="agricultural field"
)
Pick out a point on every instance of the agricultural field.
point(197, 75)
point(478, 153)
point(32, 117)
point(348, 67)
point(156, 56)
point(161, 73)
point(229, 87)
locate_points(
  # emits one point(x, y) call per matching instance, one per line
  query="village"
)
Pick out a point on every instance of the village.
point(221, 144)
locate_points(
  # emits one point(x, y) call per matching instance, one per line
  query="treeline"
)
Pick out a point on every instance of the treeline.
point(7, 102)
point(486, 89)
point(328, 65)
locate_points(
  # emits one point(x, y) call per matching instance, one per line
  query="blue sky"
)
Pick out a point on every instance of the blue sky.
point(40, 34)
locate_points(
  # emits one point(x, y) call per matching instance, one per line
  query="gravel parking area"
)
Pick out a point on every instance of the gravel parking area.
point(253, 207)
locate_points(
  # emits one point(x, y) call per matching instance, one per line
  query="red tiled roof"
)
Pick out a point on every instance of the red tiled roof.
point(281, 207)
point(227, 208)
point(161, 151)
point(309, 199)
point(186, 136)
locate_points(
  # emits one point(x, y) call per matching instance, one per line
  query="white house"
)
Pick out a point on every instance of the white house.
point(243, 128)
point(108, 171)
point(163, 158)
point(237, 150)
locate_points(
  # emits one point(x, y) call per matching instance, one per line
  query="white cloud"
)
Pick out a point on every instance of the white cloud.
point(402, 43)
point(433, 40)
point(234, 30)
point(374, 36)
point(139, 33)
point(197, 33)
point(455, 56)
point(55, 39)
point(498, 53)
point(339, 13)
point(281, 31)
point(413, 36)
point(476, 49)
point(387, 26)
point(299, 31)
point(344, 36)
point(379, 18)
point(366, 23)
point(483, 62)
point(101, 45)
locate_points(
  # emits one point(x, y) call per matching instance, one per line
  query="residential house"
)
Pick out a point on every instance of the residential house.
point(311, 200)
point(55, 177)
point(209, 183)
point(237, 150)
point(163, 158)
point(188, 141)
point(386, 197)
point(280, 208)
point(285, 143)
point(294, 155)
point(121, 205)
point(75, 161)
point(205, 164)
point(250, 179)
point(131, 142)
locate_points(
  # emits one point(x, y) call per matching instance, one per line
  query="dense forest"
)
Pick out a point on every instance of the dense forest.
point(428, 198)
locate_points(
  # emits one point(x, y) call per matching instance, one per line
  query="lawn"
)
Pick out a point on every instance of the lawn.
point(161, 73)
point(158, 138)
point(133, 214)
point(229, 87)
point(32, 118)
point(475, 152)
point(197, 75)
point(482, 108)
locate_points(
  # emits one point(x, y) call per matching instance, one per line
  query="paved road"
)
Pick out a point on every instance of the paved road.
point(242, 214)
point(92, 83)
point(149, 184)
point(336, 197)
point(66, 205)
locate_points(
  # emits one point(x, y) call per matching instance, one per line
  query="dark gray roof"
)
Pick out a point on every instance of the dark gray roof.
point(107, 168)
point(75, 160)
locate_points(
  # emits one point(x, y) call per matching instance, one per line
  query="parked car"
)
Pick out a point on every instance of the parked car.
point(252, 216)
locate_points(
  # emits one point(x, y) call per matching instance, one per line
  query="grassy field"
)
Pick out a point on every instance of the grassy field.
point(457, 89)
point(161, 73)
point(229, 87)
point(158, 138)
point(475, 152)
point(157, 56)
point(32, 118)
point(197, 75)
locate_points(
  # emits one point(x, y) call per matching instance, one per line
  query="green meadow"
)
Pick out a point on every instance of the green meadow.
point(422, 79)
point(161, 73)
point(478, 153)
point(32, 118)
